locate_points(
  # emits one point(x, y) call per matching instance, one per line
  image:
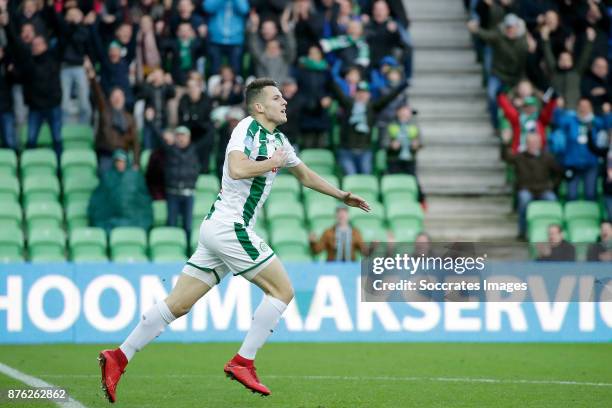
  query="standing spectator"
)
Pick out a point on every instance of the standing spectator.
point(229, 90)
point(602, 250)
point(233, 116)
point(295, 108)
point(76, 38)
point(355, 156)
point(342, 241)
point(537, 172)
point(596, 85)
point(564, 75)
point(154, 173)
point(226, 32)
point(557, 249)
point(271, 59)
point(581, 165)
point(605, 151)
point(194, 113)
point(382, 32)
point(116, 127)
point(7, 117)
point(350, 48)
point(183, 52)
point(121, 199)
point(39, 68)
point(156, 92)
point(402, 141)
point(181, 170)
point(510, 47)
point(308, 25)
point(526, 118)
point(148, 55)
point(185, 14)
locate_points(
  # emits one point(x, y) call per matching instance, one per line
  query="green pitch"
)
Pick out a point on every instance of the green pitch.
point(335, 375)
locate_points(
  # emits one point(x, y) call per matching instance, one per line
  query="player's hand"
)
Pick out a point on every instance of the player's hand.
point(473, 26)
point(591, 34)
point(279, 158)
point(353, 200)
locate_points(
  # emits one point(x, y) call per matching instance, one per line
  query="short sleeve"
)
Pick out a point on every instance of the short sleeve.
point(240, 140)
point(292, 158)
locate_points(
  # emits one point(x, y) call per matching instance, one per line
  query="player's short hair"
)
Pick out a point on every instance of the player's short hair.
point(255, 89)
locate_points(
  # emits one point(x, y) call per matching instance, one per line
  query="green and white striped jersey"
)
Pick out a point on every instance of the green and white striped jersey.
point(240, 200)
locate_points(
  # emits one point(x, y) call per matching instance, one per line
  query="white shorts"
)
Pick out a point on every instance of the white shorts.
point(224, 247)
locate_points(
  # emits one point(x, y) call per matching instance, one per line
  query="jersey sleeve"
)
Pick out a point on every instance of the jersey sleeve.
point(292, 158)
point(241, 140)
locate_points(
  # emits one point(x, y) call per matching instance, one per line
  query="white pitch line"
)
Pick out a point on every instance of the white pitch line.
point(368, 378)
point(37, 383)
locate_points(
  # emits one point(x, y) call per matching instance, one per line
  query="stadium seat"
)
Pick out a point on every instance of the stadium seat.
point(44, 136)
point(39, 188)
point(76, 214)
point(321, 206)
point(310, 194)
point(87, 245)
point(371, 233)
point(541, 214)
point(288, 184)
point(78, 162)
point(9, 188)
point(380, 162)
point(160, 213)
point(128, 244)
point(285, 212)
point(78, 187)
point(201, 206)
point(404, 212)
point(363, 185)
point(145, 156)
point(320, 160)
point(11, 244)
point(43, 215)
point(193, 240)
point(374, 218)
point(10, 215)
point(295, 253)
point(279, 197)
point(208, 183)
point(404, 232)
point(47, 245)
point(396, 187)
point(581, 210)
point(582, 231)
point(77, 136)
point(8, 162)
point(167, 244)
point(35, 162)
point(289, 240)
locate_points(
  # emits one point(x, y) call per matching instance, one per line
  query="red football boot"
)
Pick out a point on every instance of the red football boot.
point(112, 364)
point(243, 371)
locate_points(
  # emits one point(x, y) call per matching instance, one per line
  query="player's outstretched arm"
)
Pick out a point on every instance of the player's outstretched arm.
point(312, 180)
point(240, 167)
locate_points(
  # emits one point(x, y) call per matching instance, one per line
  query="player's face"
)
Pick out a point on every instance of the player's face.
point(275, 106)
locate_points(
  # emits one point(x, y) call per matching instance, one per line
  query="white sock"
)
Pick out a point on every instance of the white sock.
point(152, 323)
point(265, 319)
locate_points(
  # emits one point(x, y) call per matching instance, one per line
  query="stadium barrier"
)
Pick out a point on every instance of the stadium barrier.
point(91, 303)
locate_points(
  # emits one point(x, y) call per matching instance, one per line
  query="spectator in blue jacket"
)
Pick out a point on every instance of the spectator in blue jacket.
point(226, 32)
point(571, 143)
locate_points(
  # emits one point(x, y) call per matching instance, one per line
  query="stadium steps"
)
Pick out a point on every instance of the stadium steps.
point(459, 168)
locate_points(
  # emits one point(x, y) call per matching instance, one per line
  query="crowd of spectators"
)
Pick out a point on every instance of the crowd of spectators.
point(134, 69)
point(546, 67)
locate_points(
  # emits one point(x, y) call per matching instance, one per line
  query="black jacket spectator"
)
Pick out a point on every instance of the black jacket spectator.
point(597, 89)
point(181, 166)
point(180, 64)
point(562, 252)
point(6, 96)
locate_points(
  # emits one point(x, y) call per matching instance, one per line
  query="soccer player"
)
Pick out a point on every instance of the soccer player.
point(227, 242)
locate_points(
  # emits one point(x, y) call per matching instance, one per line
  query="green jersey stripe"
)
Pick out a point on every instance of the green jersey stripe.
point(243, 238)
point(255, 193)
point(212, 207)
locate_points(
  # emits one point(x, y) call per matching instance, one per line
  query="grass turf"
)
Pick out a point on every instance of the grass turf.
point(334, 375)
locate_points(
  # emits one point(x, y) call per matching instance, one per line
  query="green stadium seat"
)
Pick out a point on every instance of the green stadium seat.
point(541, 214)
point(160, 213)
point(10, 215)
point(380, 162)
point(87, 245)
point(128, 244)
point(293, 252)
point(289, 240)
point(78, 162)
point(310, 194)
point(201, 206)
point(538, 232)
point(396, 187)
point(167, 244)
point(319, 225)
point(374, 218)
point(145, 156)
point(47, 245)
point(288, 184)
point(364, 185)
point(11, 245)
point(40, 215)
point(371, 233)
point(405, 212)
point(76, 214)
point(193, 240)
point(279, 197)
point(8, 162)
point(39, 188)
point(583, 231)
point(285, 212)
point(77, 136)
point(404, 233)
point(78, 187)
point(320, 160)
point(208, 183)
point(322, 206)
point(44, 136)
point(36, 162)
point(9, 188)
point(581, 210)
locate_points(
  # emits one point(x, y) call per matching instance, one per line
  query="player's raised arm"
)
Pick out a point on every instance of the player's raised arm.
point(240, 167)
point(312, 180)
